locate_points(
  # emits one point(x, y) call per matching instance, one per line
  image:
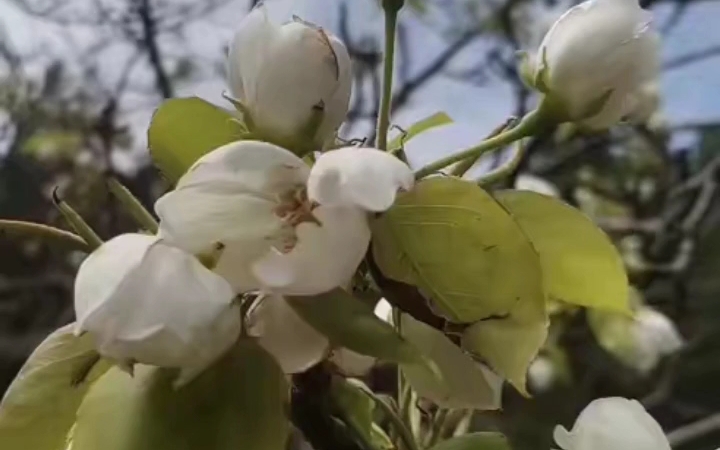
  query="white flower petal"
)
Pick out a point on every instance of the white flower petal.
point(294, 344)
point(230, 196)
point(145, 301)
point(613, 423)
point(326, 256)
point(248, 51)
point(383, 310)
point(363, 177)
point(563, 438)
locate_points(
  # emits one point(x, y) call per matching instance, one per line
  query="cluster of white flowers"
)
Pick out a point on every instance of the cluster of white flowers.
point(253, 217)
point(272, 223)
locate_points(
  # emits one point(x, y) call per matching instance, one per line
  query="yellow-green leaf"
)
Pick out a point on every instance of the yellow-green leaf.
point(184, 129)
point(350, 323)
point(475, 441)
point(238, 403)
point(452, 240)
point(421, 126)
point(39, 407)
point(464, 383)
point(579, 262)
point(510, 344)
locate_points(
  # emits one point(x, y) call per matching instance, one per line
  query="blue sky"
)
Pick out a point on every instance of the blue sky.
point(690, 94)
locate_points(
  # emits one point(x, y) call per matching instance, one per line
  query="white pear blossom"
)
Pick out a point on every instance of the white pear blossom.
point(613, 423)
point(527, 182)
point(295, 345)
point(147, 302)
point(655, 336)
point(267, 208)
point(595, 58)
point(283, 74)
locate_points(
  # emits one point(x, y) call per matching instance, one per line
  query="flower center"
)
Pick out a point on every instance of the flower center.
point(294, 207)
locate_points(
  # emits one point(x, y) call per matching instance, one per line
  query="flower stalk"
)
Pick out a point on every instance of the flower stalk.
point(76, 221)
point(383, 123)
point(133, 206)
point(528, 126)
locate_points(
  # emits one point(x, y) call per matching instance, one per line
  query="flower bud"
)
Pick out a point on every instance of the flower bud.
point(613, 423)
point(655, 336)
point(594, 59)
point(293, 80)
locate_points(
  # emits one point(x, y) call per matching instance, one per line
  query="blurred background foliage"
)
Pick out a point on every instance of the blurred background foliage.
point(69, 118)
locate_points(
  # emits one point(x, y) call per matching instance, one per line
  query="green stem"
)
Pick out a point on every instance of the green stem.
point(76, 221)
point(402, 430)
point(507, 169)
point(465, 165)
point(133, 206)
point(383, 123)
point(438, 424)
point(527, 126)
point(38, 230)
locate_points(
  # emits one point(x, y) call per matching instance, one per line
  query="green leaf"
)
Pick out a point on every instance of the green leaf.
point(462, 249)
point(184, 129)
point(39, 407)
point(580, 264)
point(350, 323)
point(475, 441)
point(240, 402)
point(421, 126)
point(357, 407)
point(510, 344)
point(358, 410)
point(464, 383)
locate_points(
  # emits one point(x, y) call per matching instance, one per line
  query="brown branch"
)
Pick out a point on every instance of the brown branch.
point(691, 58)
point(695, 430)
point(150, 44)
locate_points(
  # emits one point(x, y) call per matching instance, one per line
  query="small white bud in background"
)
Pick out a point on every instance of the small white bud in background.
point(613, 423)
point(655, 336)
point(541, 374)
